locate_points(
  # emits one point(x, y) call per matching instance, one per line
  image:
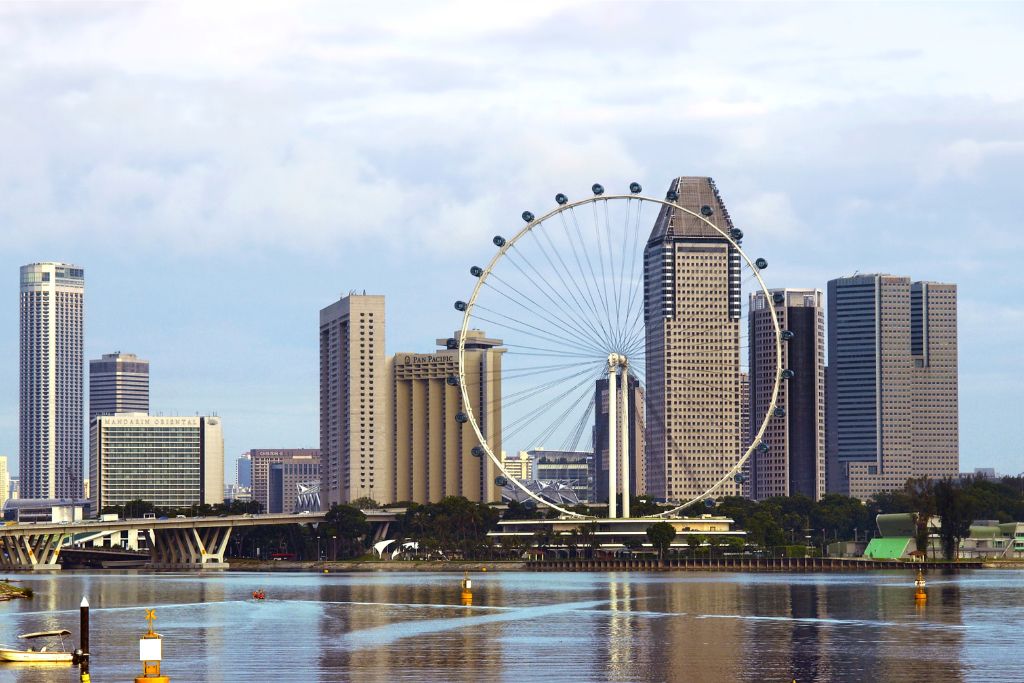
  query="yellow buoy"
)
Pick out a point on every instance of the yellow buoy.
point(467, 589)
point(919, 594)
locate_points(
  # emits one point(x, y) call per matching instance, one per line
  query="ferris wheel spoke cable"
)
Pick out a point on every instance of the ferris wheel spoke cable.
point(603, 290)
point(538, 332)
point(593, 273)
point(562, 272)
point(553, 322)
point(547, 433)
point(519, 253)
point(533, 391)
point(572, 441)
point(611, 264)
point(583, 277)
point(517, 425)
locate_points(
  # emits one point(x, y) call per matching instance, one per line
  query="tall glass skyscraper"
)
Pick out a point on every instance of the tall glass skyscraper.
point(795, 460)
point(893, 411)
point(692, 318)
point(50, 439)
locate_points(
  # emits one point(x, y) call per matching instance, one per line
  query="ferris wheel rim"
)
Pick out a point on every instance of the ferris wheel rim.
point(503, 250)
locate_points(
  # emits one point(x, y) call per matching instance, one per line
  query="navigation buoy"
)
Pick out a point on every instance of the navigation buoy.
point(259, 594)
point(467, 589)
point(919, 595)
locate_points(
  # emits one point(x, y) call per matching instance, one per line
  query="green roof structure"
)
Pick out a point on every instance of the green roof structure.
point(893, 548)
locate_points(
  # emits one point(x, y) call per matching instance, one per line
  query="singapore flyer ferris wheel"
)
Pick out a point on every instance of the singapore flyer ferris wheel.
point(620, 319)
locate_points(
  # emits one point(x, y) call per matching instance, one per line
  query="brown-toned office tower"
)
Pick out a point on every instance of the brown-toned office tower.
point(795, 460)
point(355, 459)
point(892, 404)
point(431, 452)
point(50, 446)
point(637, 479)
point(692, 318)
point(276, 492)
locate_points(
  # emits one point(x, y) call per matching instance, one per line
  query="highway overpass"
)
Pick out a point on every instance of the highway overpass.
point(178, 543)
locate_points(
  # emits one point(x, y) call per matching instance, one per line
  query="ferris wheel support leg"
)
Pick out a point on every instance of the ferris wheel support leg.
point(612, 446)
point(625, 443)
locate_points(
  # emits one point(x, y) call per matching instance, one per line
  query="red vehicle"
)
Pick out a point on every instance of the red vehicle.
point(282, 556)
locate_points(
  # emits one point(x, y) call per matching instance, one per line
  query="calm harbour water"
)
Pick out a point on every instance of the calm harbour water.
point(523, 626)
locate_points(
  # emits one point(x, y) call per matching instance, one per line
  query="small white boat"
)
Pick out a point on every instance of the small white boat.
point(42, 655)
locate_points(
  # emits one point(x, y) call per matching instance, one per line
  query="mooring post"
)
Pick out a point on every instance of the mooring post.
point(83, 635)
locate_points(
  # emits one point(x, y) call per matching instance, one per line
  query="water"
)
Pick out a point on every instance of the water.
point(523, 626)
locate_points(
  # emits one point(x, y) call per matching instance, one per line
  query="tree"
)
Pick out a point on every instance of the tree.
point(957, 511)
point(365, 503)
point(660, 535)
point(349, 524)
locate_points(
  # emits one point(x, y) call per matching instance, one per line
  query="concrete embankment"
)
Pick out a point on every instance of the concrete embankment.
point(742, 564)
point(241, 565)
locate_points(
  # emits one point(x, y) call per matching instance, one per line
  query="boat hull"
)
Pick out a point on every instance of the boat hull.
point(25, 657)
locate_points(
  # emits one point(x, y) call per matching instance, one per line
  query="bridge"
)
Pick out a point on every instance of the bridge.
point(178, 543)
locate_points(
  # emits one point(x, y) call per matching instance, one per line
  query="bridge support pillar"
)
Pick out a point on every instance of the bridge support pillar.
point(31, 552)
point(189, 548)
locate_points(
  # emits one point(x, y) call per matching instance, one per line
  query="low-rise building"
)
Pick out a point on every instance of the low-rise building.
point(575, 469)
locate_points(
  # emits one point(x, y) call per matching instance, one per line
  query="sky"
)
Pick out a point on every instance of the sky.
point(224, 170)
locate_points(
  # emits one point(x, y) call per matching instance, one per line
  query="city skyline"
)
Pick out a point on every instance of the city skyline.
point(226, 237)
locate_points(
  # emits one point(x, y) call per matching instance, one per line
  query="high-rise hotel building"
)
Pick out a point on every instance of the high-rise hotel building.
point(692, 316)
point(795, 460)
point(431, 453)
point(637, 465)
point(355, 458)
point(118, 383)
point(172, 462)
point(893, 410)
point(52, 311)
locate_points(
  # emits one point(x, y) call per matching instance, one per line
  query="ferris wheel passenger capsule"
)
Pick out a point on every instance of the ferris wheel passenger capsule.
point(477, 452)
point(779, 298)
point(779, 412)
point(761, 264)
point(500, 481)
point(787, 335)
point(706, 210)
point(597, 188)
point(788, 374)
point(476, 271)
point(709, 503)
point(736, 234)
point(461, 418)
point(740, 478)
point(461, 306)
point(499, 241)
point(528, 216)
point(561, 199)
point(762, 447)
point(452, 380)
point(635, 188)
point(671, 195)
point(451, 343)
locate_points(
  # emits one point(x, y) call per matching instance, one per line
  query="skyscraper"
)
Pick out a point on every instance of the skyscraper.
point(5, 481)
point(692, 319)
point(50, 448)
point(795, 460)
point(118, 383)
point(892, 404)
point(243, 470)
point(355, 460)
point(637, 481)
point(432, 453)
